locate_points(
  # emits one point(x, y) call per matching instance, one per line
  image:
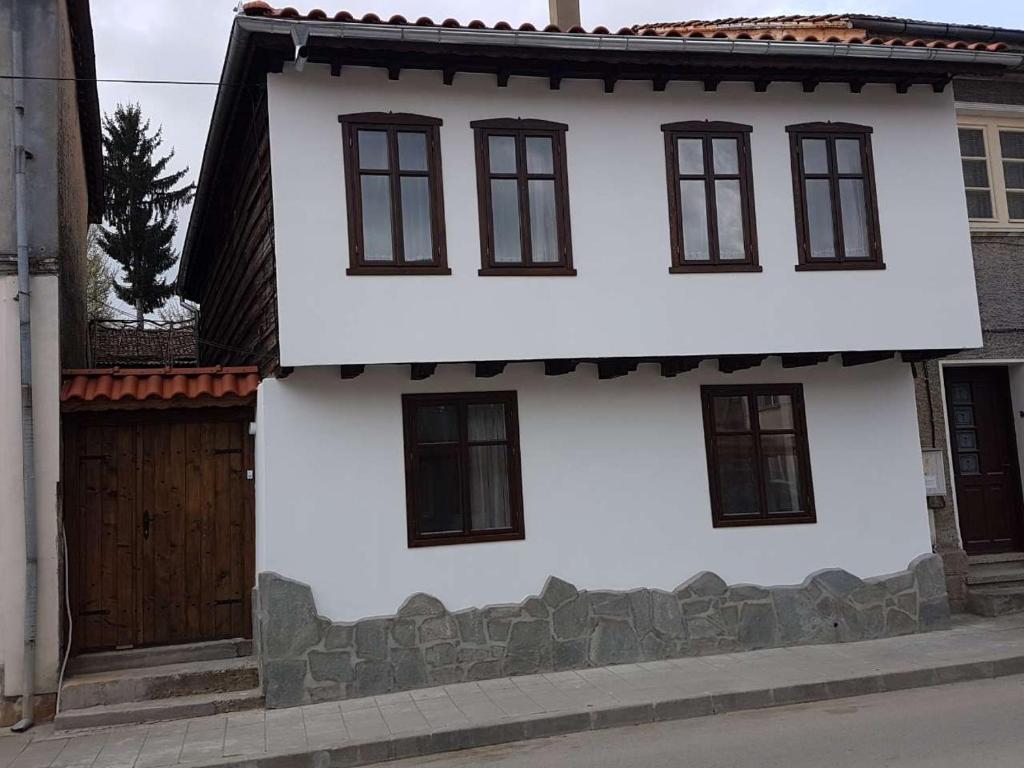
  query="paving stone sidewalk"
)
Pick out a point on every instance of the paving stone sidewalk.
point(432, 720)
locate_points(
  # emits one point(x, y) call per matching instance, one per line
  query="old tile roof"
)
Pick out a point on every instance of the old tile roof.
point(117, 385)
point(829, 28)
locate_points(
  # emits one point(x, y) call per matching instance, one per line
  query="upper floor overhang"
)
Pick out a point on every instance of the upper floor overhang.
point(263, 40)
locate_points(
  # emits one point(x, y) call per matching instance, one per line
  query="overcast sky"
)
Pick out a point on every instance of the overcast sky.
point(186, 40)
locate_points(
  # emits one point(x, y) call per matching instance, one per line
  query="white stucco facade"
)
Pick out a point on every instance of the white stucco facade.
point(46, 390)
point(615, 485)
point(623, 301)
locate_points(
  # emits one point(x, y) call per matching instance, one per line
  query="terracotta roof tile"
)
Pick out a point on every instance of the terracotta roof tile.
point(779, 28)
point(157, 384)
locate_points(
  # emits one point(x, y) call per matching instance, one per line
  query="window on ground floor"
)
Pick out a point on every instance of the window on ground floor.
point(462, 469)
point(758, 461)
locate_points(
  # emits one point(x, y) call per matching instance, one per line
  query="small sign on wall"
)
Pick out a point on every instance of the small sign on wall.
point(934, 472)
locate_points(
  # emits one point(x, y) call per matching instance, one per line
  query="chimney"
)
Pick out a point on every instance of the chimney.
point(565, 14)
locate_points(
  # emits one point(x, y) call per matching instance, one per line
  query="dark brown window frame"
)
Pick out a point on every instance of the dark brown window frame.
point(392, 124)
point(830, 132)
point(751, 392)
point(707, 131)
point(517, 530)
point(520, 129)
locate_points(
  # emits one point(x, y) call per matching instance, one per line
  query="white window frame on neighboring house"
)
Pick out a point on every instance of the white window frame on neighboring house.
point(991, 119)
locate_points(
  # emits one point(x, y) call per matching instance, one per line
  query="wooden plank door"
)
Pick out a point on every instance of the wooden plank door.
point(99, 516)
point(159, 514)
point(985, 463)
point(195, 541)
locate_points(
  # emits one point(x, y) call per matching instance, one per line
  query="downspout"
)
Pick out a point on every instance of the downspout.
point(28, 472)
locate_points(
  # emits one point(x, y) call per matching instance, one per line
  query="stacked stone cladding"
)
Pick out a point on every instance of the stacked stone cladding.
point(306, 658)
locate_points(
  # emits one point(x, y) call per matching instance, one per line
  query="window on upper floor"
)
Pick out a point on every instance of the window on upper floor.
point(710, 197)
point(834, 195)
point(992, 156)
point(462, 473)
point(758, 460)
point(523, 197)
point(393, 186)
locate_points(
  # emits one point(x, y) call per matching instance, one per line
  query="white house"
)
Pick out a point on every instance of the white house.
point(615, 308)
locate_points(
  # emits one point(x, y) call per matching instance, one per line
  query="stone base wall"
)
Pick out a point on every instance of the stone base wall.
point(306, 658)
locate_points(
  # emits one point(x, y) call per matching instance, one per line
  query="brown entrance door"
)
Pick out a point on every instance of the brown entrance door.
point(159, 515)
point(985, 464)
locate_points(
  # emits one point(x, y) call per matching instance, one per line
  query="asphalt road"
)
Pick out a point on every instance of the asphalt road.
point(969, 725)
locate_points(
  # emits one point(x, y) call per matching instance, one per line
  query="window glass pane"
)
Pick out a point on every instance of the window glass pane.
point(732, 414)
point(961, 393)
point(437, 492)
point(963, 416)
point(972, 142)
point(1015, 202)
point(1011, 144)
point(966, 440)
point(376, 194)
point(437, 424)
point(694, 206)
point(486, 422)
point(543, 221)
point(815, 155)
point(731, 246)
point(848, 155)
point(975, 173)
point(855, 218)
point(725, 155)
point(539, 155)
point(691, 156)
point(979, 204)
point(775, 411)
point(412, 151)
point(969, 464)
point(781, 473)
point(373, 150)
point(416, 218)
point(737, 475)
point(1013, 173)
point(489, 503)
point(502, 150)
point(819, 219)
point(505, 219)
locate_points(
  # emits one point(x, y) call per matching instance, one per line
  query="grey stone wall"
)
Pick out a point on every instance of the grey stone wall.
point(306, 658)
point(1007, 90)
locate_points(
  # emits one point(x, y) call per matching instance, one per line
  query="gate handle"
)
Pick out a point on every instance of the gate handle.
point(145, 524)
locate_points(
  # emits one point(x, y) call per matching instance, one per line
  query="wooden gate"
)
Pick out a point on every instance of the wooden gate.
point(158, 509)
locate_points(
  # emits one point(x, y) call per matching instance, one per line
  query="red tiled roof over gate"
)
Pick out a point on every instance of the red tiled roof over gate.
point(158, 384)
point(828, 28)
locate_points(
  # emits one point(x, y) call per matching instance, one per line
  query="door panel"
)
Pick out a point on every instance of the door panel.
point(985, 465)
point(159, 514)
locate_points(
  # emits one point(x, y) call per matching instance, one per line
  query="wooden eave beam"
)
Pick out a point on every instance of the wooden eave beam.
point(804, 359)
point(421, 371)
point(733, 363)
point(614, 367)
point(559, 367)
point(673, 366)
point(490, 368)
point(864, 358)
point(351, 371)
point(924, 355)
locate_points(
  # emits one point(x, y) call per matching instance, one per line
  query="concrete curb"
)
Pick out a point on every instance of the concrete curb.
point(564, 722)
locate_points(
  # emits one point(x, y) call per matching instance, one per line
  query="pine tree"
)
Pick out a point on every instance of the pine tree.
point(140, 201)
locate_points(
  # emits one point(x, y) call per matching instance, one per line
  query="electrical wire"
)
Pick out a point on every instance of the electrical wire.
point(67, 607)
point(117, 80)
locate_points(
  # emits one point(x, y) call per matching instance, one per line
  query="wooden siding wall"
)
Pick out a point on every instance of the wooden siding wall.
point(238, 288)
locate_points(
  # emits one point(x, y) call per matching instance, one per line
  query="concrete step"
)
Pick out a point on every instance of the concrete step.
point(996, 573)
point(1002, 557)
point(134, 658)
point(178, 708)
point(995, 600)
point(163, 682)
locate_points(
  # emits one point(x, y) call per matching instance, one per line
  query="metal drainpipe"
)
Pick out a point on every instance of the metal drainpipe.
point(28, 472)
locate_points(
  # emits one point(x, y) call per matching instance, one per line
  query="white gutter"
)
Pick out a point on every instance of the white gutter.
point(570, 41)
point(28, 474)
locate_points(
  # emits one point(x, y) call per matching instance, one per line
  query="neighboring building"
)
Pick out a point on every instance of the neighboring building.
point(595, 306)
point(64, 185)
